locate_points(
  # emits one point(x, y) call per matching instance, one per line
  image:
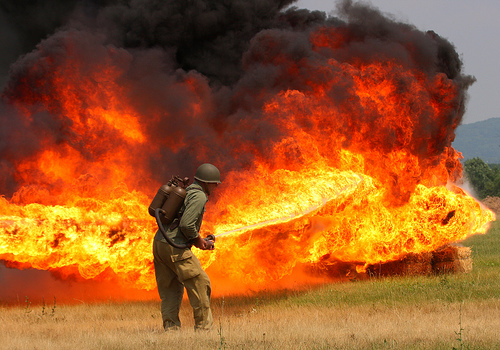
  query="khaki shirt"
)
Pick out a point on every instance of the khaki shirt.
point(192, 216)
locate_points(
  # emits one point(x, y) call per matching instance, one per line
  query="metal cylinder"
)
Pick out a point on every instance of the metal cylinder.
point(173, 204)
point(160, 198)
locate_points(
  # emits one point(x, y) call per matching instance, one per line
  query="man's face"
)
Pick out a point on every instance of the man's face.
point(211, 187)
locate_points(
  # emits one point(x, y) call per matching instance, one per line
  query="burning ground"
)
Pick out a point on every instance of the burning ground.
point(333, 135)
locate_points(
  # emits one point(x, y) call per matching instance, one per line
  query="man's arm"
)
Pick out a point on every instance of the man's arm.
point(195, 204)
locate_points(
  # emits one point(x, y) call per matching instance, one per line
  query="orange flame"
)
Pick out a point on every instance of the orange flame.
point(333, 187)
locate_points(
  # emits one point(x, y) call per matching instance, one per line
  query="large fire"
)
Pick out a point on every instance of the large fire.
point(328, 154)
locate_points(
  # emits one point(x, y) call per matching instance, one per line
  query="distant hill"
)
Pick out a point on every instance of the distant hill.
point(480, 139)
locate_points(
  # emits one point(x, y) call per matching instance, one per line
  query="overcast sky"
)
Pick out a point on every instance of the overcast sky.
point(472, 26)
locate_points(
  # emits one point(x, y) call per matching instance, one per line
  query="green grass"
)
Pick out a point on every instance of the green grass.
point(486, 249)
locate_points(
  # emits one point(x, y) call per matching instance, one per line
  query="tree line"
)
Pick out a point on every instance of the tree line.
point(484, 178)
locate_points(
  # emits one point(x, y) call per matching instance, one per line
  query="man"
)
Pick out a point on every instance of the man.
point(178, 268)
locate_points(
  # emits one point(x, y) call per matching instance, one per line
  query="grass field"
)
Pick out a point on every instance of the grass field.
point(438, 312)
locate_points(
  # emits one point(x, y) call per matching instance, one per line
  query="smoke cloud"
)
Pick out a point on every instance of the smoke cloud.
point(200, 72)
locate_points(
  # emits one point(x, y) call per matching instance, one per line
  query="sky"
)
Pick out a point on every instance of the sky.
point(472, 26)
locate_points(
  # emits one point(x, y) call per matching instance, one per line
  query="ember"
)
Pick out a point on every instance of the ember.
point(333, 135)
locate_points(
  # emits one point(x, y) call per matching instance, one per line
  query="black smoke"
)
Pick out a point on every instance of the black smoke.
point(236, 54)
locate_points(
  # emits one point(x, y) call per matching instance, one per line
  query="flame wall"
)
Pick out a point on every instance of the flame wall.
point(333, 136)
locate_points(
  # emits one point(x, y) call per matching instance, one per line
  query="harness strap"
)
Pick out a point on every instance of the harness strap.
point(178, 217)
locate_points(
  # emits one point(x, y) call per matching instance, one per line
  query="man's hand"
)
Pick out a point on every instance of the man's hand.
point(203, 243)
point(210, 244)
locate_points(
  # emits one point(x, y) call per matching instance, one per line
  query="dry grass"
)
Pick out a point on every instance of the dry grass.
point(271, 325)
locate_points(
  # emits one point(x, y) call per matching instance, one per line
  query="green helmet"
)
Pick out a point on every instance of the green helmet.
point(207, 173)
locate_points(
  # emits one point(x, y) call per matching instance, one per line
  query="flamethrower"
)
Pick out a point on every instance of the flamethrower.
point(159, 214)
point(166, 205)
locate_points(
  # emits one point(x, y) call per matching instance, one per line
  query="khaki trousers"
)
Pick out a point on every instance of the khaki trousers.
point(174, 270)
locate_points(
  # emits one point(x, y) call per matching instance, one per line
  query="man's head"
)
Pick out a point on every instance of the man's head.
point(209, 177)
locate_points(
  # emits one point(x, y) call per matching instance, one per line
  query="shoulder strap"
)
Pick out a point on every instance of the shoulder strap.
point(178, 217)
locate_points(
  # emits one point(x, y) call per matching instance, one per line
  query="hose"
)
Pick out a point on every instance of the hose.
point(162, 230)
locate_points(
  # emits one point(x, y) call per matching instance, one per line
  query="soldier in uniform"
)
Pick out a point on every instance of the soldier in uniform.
point(175, 268)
